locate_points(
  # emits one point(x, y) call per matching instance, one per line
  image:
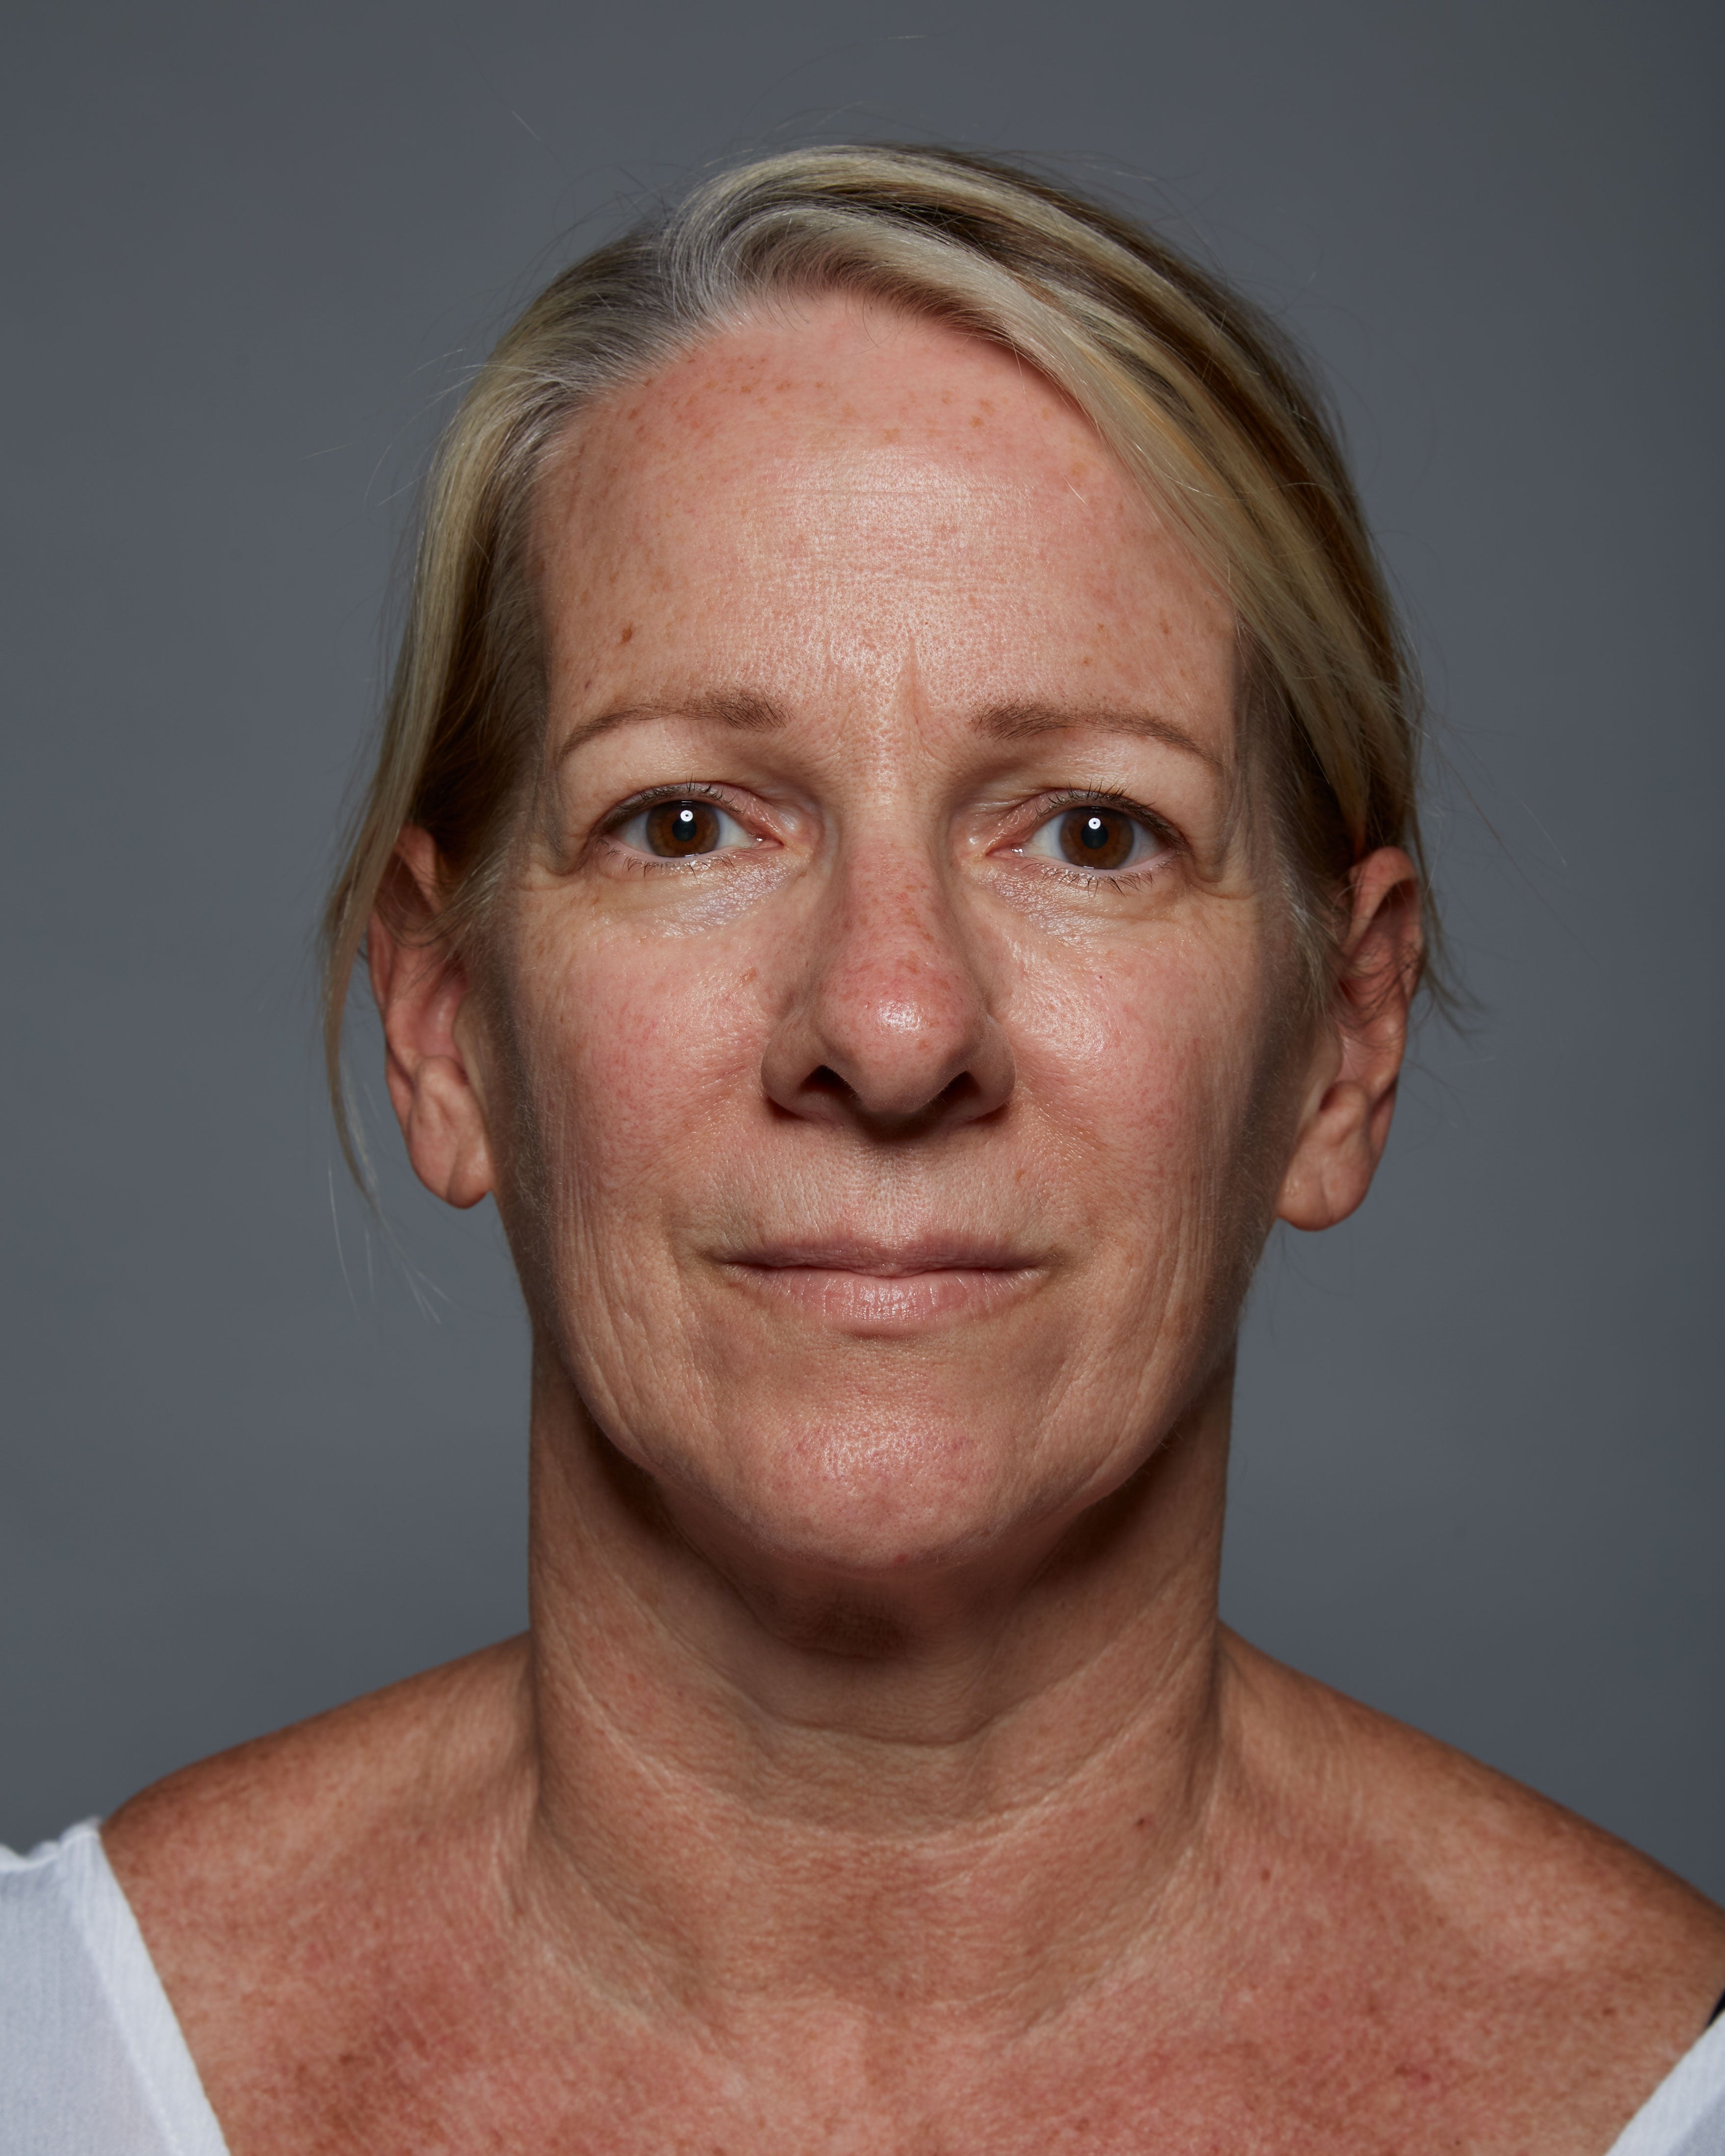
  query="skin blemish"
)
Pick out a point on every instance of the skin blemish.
point(629, 630)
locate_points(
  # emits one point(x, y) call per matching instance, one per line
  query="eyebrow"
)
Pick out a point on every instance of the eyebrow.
point(746, 710)
point(743, 711)
point(1012, 722)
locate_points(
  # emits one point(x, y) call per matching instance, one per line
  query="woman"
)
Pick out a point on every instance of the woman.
point(894, 860)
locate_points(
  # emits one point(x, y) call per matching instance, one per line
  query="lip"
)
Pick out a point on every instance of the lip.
point(896, 1260)
point(862, 1284)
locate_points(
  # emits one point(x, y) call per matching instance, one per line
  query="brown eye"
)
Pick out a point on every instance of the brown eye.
point(1095, 836)
point(674, 829)
point(682, 831)
point(1098, 838)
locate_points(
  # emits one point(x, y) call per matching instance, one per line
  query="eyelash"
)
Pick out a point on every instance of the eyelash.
point(1094, 796)
point(693, 790)
point(1046, 810)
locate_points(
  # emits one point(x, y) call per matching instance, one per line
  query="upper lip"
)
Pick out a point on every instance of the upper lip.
point(888, 1258)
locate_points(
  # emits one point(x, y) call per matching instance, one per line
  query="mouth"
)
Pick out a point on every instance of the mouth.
point(862, 1284)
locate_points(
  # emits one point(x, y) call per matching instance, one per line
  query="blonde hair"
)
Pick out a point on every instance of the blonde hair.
point(1194, 391)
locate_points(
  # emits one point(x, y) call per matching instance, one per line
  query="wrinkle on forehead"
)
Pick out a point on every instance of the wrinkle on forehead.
point(795, 495)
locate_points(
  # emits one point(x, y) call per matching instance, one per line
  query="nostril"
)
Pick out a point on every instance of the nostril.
point(894, 1088)
point(953, 1098)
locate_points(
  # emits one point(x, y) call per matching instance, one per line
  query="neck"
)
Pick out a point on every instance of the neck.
point(972, 1792)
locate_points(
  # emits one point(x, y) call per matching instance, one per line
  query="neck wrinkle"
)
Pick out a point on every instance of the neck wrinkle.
point(729, 1827)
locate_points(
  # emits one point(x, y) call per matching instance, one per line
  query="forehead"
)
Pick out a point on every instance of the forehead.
point(839, 487)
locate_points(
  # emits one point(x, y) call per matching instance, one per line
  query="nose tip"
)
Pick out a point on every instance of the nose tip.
point(893, 1031)
point(908, 1091)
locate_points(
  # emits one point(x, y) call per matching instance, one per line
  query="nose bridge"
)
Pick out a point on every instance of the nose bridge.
point(896, 993)
point(895, 945)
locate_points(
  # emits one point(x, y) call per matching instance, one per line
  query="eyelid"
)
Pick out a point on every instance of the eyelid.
point(1059, 799)
point(1052, 807)
point(617, 820)
point(1048, 809)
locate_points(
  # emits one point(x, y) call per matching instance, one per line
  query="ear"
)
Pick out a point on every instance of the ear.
point(1357, 1056)
point(423, 992)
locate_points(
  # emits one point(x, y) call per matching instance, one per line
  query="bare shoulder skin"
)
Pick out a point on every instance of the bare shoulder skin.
point(1536, 1974)
point(1408, 1951)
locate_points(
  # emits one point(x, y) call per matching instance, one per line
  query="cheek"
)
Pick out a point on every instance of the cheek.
point(630, 1044)
point(1150, 1073)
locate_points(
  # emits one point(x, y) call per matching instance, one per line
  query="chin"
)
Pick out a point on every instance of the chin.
point(881, 1497)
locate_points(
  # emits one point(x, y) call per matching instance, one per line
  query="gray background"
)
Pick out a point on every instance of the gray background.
point(255, 1459)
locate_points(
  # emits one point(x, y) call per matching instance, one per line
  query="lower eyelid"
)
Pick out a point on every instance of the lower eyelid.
point(735, 837)
point(744, 839)
point(1118, 879)
point(1157, 844)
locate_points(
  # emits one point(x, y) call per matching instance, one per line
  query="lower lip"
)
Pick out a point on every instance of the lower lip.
point(890, 1302)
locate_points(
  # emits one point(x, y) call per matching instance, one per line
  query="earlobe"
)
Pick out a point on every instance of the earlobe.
point(445, 1133)
point(421, 990)
point(1339, 1149)
point(1357, 1061)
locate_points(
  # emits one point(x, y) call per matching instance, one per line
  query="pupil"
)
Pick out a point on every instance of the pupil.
point(1097, 838)
point(678, 828)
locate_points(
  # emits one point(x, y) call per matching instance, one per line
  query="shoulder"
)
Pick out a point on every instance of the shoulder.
point(284, 1803)
point(1513, 1933)
point(1498, 1861)
point(252, 1871)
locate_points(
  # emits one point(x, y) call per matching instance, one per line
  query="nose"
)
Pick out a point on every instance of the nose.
point(889, 1029)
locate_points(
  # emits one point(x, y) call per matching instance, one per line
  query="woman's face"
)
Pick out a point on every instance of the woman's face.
point(887, 1079)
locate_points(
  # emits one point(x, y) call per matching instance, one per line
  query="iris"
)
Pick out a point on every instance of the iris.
point(1098, 838)
point(676, 828)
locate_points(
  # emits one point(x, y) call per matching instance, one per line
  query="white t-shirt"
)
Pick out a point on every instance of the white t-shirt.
point(92, 2062)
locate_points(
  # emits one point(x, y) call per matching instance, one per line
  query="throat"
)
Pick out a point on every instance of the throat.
point(756, 1786)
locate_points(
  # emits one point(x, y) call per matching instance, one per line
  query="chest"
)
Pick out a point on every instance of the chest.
point(1347, 2080)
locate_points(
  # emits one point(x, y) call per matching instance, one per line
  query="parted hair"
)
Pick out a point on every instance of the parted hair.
point(1202, 399)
